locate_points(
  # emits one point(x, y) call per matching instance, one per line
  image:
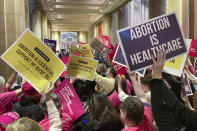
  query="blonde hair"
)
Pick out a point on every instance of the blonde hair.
point(24, 124)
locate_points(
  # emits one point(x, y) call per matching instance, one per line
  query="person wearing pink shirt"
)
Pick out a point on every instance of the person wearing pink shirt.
point(7, 99)
point(4, 87)
point(113, 98)
point(135, 115)
point(66, 120)
point(135, 112)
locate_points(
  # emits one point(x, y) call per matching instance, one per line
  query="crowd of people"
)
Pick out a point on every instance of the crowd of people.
point(112, 102)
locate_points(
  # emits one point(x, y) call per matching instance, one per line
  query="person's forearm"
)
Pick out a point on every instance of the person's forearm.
point(18, 92)
point(54, 116)
point(138, 89)
point(191, 69)
point(11, 79)
point(119, 87)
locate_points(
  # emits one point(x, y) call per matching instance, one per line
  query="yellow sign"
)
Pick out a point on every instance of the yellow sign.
point(175, 66)
point(74, 49)
point(86, 50)
point(81, 67)
point(34, 60)
point(175, 63)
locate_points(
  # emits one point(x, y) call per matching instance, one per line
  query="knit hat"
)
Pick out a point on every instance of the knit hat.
point(28, 89)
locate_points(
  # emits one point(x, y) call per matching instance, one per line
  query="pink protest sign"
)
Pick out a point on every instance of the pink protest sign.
point(65, 61)
point(193, 48)
point(69, 99)
point(106, 41)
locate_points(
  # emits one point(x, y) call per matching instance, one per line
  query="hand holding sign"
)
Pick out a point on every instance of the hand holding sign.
point(49, 90)
point(34, 60)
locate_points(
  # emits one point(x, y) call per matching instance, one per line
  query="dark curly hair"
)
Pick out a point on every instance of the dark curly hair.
point(27, 107)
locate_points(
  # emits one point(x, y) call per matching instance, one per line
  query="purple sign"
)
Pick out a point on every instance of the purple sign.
point(139, 42)
point(186, 85)
point(51, 44)
point(119, 59)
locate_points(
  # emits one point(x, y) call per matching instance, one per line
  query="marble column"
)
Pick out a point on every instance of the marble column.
point(12, 24)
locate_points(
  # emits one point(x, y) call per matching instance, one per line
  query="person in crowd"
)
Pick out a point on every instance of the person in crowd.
point(101, 69)
point(113, 98)
point(53, 113)
point(28, 104)
point(145, 84)
point(135, 112)
point(7, 99)
point(7, 118)
point(185, 99)
point(4, 87)
point(103, 116)
point(24, 124)
point(165, 104)
point(66, 120)
point(105, 85)
point(190, 66)
point(84, 89)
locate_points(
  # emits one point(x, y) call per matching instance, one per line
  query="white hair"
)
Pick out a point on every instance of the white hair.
point(2, 80)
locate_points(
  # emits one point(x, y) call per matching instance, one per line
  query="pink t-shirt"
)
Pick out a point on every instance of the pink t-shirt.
point(65, 119)
point(6, 100)
point(6, 119)
point(146, 124)
point(129, 87)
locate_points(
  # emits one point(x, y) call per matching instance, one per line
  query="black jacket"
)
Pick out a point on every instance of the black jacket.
point(167, 108)
point(104, 126)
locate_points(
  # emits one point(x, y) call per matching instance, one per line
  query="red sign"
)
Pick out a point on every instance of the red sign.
point(193, 48)
point(106, 41)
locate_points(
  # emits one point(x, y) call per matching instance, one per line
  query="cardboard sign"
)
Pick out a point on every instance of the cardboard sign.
point(119, 59)
point(193, 48)
point(106, 41)
point(97, 45)
point(69, 99)
point(67, 39)
point(139, 42)
point(186, 85)
point(75, 50)
point(175, 66)
point(51, 44)
point(86, 50)
point(34, 61)
point(81, 67)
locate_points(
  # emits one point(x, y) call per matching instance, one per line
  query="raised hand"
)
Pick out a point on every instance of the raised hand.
point(158, 65)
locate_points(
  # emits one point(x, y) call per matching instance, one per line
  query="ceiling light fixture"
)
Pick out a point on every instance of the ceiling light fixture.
point(110, 2)
point(51, 9)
